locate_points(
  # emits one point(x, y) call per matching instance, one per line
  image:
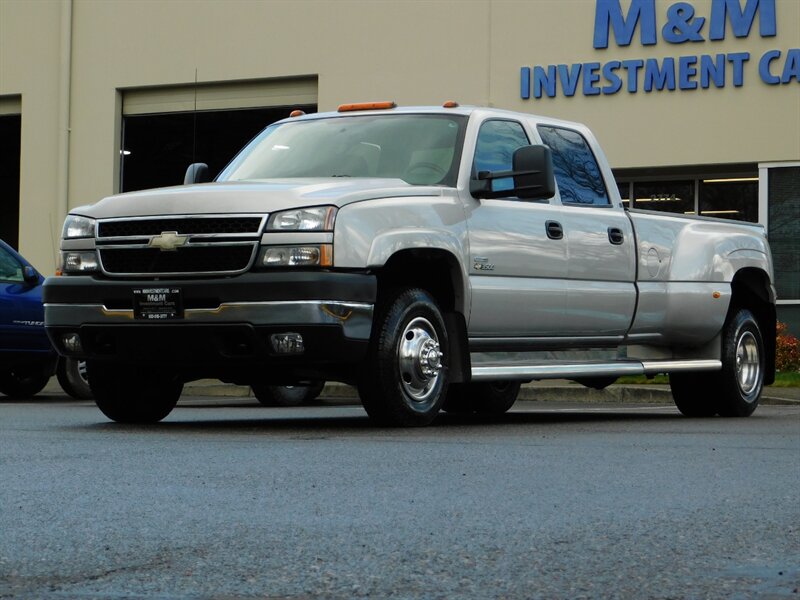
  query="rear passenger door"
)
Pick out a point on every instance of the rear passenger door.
point(516, 270)
point(601, 270)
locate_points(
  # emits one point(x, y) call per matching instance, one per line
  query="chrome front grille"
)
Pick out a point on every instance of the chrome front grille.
point(178, 246)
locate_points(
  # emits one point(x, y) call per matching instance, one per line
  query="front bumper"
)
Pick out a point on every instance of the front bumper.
point(226, 324)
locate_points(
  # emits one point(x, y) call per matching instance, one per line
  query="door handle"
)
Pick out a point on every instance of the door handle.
point(554, 230)
point(615, 236)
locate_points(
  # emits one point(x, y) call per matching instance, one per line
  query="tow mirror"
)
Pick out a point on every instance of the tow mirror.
point(30, 275)
point(196, 173)
point(532, 170)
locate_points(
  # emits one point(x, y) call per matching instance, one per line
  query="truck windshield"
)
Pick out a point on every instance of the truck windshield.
point(419, 149)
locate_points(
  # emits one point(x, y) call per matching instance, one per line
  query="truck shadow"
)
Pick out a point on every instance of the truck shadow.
point(293, 420)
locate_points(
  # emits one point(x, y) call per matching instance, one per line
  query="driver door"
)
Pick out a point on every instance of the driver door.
point(517, 260)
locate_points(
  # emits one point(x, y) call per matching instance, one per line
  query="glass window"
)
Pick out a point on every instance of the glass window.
point(575, 167)
point(494, 149)
point(734, 198)
point(624, 188)
point(10, 268)
point(665, 196)
point(784, 230)
point(420, 149)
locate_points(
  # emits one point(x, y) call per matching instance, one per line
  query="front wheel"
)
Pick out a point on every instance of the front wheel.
point(484, 398)
point(406, 375)
point(133, 394)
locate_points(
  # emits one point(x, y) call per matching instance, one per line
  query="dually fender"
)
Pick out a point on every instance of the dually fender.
point(686, 267)
point(716, 251)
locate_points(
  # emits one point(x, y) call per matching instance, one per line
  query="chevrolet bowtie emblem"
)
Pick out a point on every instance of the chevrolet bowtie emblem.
point(168, 240)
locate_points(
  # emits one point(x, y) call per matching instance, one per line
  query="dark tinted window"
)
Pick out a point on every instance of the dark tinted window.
point(730, 198)
point(495, 147)
point(784, 229)
point(575, 167)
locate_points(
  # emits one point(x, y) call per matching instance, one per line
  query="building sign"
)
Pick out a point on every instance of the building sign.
point(681, 25)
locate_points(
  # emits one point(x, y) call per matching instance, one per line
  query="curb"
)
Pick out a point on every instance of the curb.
point(532, 392)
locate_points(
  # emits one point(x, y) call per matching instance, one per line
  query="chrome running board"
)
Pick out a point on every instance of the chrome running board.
point(567, 370)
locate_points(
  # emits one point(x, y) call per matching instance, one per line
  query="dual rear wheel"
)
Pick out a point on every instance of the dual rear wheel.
point(734, 390)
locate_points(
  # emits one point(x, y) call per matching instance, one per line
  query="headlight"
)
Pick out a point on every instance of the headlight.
point(79, 262)
point(311, 255)
point(78, 227)
point(319, 218)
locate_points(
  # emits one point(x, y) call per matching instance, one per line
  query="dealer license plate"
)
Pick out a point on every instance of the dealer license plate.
point(157, 303)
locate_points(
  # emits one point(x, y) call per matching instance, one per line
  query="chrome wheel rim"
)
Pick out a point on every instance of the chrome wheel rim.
point(748, 363)
point(419, 358)
point(82, 373)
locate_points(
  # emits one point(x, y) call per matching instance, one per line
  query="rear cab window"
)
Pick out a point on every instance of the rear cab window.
point(577, 173)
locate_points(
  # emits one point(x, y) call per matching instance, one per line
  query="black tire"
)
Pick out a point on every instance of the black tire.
point(73, 379)
point(287, 395)
point(22, 383)
point(741, 379)
point(406, 375)
point(484, 398)
point(693, 394)
point(733, 391)
point(133, 394)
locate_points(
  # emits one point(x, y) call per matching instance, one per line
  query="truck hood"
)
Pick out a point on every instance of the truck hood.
point(250, 197)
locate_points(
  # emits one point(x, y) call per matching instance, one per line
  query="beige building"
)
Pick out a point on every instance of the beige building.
point(697, 104)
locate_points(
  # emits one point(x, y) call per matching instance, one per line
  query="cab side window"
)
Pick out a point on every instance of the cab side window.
point(10, 269)
point(495, 146)
point(575, 167)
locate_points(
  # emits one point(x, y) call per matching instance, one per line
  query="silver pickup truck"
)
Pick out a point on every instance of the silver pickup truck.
point(434, 257)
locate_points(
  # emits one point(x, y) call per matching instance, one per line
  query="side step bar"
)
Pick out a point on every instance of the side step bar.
point(563, 370)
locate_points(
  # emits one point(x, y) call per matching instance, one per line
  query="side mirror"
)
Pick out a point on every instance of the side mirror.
point(196, 173)
point(532, 170)
point(30, 275)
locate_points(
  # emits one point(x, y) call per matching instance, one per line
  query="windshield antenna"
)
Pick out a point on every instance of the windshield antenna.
point(194, 121)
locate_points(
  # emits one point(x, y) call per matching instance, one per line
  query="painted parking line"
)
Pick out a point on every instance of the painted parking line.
point(623, 409)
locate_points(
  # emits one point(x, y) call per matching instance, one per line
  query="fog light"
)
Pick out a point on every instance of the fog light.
point(72, 342)
point(287, 343)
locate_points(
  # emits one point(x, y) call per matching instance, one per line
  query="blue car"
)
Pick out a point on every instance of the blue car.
point(27, 360)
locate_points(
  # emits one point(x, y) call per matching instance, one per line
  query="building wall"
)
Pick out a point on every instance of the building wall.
point(72, 60)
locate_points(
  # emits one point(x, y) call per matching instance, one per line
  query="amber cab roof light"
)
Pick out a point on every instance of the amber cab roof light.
point(297, 113)
point(450, 104)
point(366, 106)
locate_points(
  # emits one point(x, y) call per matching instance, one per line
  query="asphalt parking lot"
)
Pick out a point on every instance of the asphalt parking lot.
point(227, 499)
